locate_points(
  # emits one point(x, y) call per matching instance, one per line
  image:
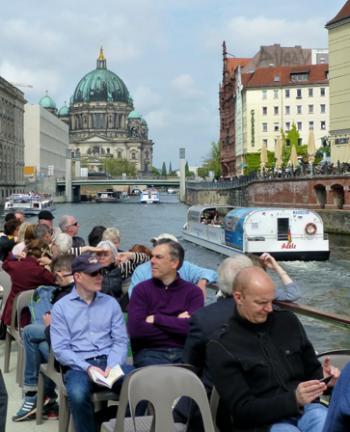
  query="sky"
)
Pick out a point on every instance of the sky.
point(168, 53)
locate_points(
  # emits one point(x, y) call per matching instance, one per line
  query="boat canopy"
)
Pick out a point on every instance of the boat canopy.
point(201, 213)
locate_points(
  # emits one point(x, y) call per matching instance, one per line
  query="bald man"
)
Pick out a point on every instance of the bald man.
point(263, 365)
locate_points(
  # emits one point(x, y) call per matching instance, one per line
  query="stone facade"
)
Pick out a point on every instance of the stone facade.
point(11, 139)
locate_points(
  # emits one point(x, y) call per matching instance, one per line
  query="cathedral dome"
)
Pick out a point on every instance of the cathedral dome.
point(134, 115)
point(47, 102)
point(63, 111)
point(101, 85)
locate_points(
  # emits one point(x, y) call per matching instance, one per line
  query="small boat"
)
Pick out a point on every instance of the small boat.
point(107, 197)
point(149, 196)
point(171, 191)
point(287, 234)
point(29, 203)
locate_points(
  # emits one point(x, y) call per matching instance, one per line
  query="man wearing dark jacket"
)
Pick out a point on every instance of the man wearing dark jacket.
point(264, 367)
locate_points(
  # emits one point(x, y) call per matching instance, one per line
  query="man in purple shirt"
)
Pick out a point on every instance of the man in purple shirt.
point(87, 333)
point(160, 309)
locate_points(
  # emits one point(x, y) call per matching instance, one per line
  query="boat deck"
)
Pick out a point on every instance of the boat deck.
point(15, 399)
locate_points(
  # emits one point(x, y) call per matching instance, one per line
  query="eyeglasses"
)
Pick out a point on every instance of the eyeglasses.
point(95, 273)
point(74, 224)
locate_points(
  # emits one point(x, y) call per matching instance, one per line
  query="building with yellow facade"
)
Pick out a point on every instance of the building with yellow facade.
point(339, 84)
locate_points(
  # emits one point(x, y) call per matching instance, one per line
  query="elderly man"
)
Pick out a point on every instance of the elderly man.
point(160, 308)
point(70, 226)
point(263, 365)
point(188, 271)
point(88, 335)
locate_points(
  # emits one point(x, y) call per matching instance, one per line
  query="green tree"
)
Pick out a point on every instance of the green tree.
point(116, 167)
point(170, 170)
point(203, 172)
point(187, 170)
point(155, 172)
point(164, 173)
point(212, 161)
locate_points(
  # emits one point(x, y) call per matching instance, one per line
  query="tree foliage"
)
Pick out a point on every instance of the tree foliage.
point(211, 162)
point(117, 167)
point(164, 172)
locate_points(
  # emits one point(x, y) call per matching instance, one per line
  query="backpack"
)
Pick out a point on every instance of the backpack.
point(41, 303)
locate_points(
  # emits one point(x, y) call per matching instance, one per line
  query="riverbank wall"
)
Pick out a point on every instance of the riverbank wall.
point(324, 195)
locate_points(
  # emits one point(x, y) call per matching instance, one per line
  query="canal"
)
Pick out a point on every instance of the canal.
point(324, 285)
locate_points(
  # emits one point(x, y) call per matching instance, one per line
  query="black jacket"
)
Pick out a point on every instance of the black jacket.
point(257, 367)
point(112, 281)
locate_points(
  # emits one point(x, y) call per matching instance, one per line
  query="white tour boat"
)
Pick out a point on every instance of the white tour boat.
point(107, 197)
point(287, 234)
point(29, 203)
point(149, 196)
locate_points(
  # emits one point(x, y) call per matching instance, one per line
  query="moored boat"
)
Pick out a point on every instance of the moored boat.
point(287, 234)
point(107, 196)
point(149, 196)
point(29, 203)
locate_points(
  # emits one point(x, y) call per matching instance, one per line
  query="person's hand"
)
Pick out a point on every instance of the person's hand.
point(92, 249)
point(150, 319)
point(308, 391)
point(328, 370)
point(123, 257)
point(184, 315)
point(47, 319)
point(97, 369)
point(268, 261)
point(44, 261)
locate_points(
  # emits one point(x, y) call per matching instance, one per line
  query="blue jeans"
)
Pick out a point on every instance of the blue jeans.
point(3, 403)
point(79, 388)
point(36, 351)
point(156, 356)
point(312, 420)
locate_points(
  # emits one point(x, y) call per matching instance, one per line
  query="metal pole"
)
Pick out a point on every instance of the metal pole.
point(68, 176)
point(182, 155)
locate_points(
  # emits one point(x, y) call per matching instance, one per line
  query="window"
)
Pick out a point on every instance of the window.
point(299, 109)
point(288, 142)
point(287, 126)
point(264, 110)
point(299, 76)
point(275, 94)
point(311, 92)
point(276, 127)
point(323, 125)
point(264, 127)
point(133, 155)
point(311, 109)
point(265, 142)
point(119, 154)
point(287, 108)
point(300, 141)
point(322, 91)
point(264, 94)
point(311, 125)
point(275, 110)
point(299, 126)
point(323, 108)
point(287, 93)
point(299, 94)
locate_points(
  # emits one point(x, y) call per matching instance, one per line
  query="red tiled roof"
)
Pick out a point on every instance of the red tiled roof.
point(232, 63)
point(343, 14)
point(267, 77)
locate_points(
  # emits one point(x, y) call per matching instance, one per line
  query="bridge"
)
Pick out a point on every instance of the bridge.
point(157, 182)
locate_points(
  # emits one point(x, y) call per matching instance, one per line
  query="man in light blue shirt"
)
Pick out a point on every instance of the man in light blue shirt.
point(189, 272)
point(88, 334)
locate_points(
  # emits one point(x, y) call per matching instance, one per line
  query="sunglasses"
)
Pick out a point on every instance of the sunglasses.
point(95, 273)
point(74, 224)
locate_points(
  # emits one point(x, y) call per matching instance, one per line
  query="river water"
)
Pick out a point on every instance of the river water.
point(325, 285)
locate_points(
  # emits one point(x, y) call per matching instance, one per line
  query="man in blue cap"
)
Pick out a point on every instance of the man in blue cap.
point(88, 335)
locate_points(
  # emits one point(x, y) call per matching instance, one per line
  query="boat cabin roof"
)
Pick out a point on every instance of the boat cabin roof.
point(243, 212)
point(196, 213)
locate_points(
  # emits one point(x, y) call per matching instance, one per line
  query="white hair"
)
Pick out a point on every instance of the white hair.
point(107, 244)
point(112, 234)
point(228, 271)
point(64, 242)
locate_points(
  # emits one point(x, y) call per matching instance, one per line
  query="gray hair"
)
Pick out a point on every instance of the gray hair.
point(63, 242)
point(107, 244)
point(228, 271)
point(112, 234)
point(64, 222)
point(41, 230)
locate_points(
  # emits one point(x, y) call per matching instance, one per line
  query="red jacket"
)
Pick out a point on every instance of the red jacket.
point(25, 274)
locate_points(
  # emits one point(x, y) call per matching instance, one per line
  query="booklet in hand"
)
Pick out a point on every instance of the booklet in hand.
point(113, 376)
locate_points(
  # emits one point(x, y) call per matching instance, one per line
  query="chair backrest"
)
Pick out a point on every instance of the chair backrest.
point(339, 358)
point(21, 301)
point(5, 282)
point(214, 405)
point(161, 385)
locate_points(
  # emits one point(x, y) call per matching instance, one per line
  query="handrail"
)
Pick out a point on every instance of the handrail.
point(339, 320)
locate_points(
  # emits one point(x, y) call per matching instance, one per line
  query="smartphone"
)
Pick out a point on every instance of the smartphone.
point(326, 379)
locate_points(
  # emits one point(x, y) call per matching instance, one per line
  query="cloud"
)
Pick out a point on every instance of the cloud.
point(145, 98)
point(157, 119)
point(184, 84)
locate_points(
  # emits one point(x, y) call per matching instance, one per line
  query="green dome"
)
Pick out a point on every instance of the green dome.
point(47, 102)
point(134, 115)
point(101, 85)
point(63, 111)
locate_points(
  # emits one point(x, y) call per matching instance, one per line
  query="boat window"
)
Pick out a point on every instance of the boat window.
point(282, 228)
